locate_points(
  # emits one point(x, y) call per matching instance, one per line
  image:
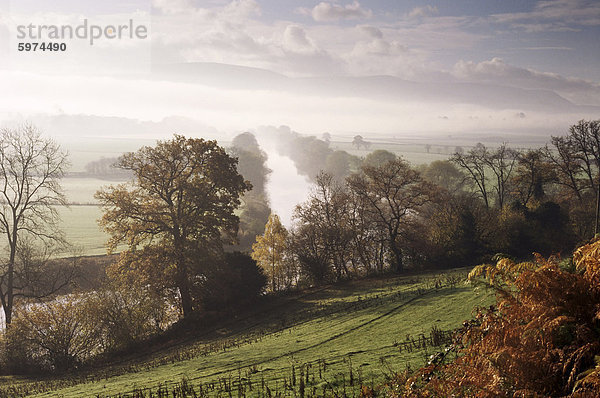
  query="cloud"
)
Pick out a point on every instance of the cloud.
point(497, 71)
point(327, 12)
point(426, 11)
point(553, 15)
point(376, 44)
point(295, 40)
point(371, 31)
point(241, 9)
point(171, 7)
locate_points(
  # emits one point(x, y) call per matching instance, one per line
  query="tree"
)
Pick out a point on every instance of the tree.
point(532, 175)
point(175, 215)
point(125, 315)
point(358, 141)
point(501, 162)
point(337, 164)
point(236, 282)
point(324, 220)
point(479, 162)
point(585, 140)
point(393, 194)
point(269, 250)
point(446, 175)
point(58, 334)
point(475, 167)
point(255, 207)
point(378, 157)
point(576, 158)
point(30, 171)
point(246, 141)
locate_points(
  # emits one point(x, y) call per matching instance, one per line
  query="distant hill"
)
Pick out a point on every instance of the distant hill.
point(375, 87)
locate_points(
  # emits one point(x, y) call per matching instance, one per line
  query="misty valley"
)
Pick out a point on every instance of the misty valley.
point(298, 199)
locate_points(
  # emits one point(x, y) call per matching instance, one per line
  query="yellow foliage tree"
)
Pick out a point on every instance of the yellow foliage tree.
point(269, 251)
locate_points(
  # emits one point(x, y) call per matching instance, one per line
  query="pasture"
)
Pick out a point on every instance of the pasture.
point(334, 338)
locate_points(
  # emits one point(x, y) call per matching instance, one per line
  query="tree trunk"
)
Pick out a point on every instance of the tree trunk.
point(183, 283)
point(8, 308)
point(184, 292)
point(397, 254)
point(597, 205)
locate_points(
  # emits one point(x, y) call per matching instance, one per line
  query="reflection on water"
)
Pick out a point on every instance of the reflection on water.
point(285, 186)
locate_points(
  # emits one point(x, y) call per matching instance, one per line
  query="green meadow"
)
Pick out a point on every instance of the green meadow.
point(335, 338)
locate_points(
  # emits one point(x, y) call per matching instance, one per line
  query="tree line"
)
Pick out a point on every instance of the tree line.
point(387, 215)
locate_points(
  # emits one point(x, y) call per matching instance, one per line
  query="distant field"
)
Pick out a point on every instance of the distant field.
point(82, 230)
point(413, 153)
point(79, 221)
point(341, 336)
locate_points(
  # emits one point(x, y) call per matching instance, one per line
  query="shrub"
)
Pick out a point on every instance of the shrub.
point(542, 338)
point(127, 315)
point(55, 335)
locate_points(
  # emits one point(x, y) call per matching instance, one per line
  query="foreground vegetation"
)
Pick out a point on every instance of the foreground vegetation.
point(337, 337)
point(540, 340)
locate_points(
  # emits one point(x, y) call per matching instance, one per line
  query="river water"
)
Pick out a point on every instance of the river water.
point(286, 187)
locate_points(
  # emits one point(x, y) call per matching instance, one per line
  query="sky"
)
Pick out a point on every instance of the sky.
point(441, 67)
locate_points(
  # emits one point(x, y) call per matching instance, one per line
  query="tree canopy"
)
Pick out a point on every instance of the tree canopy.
point(175, 215)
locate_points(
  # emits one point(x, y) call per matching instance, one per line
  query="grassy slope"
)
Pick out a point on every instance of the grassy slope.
point(356, 325)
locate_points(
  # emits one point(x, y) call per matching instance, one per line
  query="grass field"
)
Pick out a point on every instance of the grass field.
point(336, 338)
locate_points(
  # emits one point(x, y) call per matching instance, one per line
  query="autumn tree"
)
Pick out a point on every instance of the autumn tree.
point(57, 334)
point(31, 167)
point(175, 215)
point(324, 220)
point(393, 195)
point(532, 176)
point(269, 251)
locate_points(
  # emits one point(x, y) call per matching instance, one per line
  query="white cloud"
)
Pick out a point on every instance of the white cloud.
point(171, 7)
point(295, 40)
point(241, 9)
point(324, 12)
point(371, 31)
point(426, 11)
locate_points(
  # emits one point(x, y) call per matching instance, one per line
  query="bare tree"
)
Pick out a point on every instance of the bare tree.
point(393, 194)
point(501, 163)
point(31, 167)
point(479, 163)
point(473, 162)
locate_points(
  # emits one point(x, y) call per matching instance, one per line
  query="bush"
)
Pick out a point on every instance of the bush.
point(541, 339)
point(127, 315)
point(54, 335)
point(234, 282)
